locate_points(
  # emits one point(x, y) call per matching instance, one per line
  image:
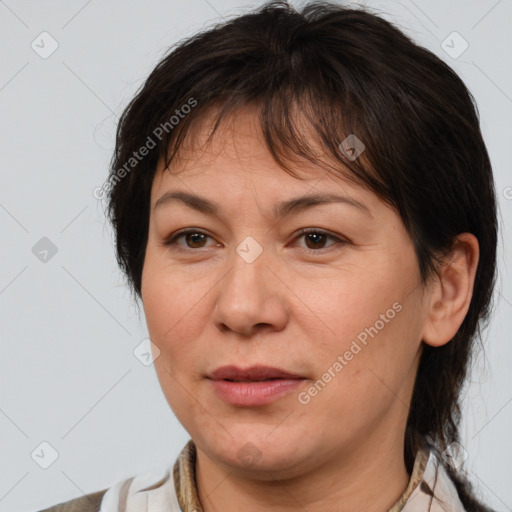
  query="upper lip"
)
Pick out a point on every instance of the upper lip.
point(251, 373)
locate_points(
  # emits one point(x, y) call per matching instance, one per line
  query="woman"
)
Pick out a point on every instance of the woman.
point(305, 206)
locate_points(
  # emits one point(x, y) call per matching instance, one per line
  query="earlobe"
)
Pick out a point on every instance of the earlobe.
point(451, 291)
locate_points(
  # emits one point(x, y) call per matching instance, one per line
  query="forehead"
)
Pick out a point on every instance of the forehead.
point(237, 156)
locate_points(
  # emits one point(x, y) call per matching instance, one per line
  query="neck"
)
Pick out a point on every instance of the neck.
point(370, 478)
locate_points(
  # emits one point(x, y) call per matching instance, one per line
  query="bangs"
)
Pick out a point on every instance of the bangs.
point(297, 129)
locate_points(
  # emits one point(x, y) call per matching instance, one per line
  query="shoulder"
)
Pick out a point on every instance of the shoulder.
point(155, 488)
point(87, 503)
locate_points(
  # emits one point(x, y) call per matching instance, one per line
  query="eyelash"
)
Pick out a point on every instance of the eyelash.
point(171, 241)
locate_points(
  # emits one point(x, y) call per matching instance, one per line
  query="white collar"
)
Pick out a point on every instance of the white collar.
point(149, 492)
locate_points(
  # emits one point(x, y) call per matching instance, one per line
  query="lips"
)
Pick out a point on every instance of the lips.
point(252, 387)
point(252, 374)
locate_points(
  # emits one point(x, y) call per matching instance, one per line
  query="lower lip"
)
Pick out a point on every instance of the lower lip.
point(254, 393)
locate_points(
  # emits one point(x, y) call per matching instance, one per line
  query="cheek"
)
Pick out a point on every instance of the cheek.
point(160, 289)
point(174, 306)
point(372, 322)
point(174, 317)
point(171, 313)
point(360, 300)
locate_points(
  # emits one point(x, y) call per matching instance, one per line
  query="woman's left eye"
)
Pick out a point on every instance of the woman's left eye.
point(315, 239)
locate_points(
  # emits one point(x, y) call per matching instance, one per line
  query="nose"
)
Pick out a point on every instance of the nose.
point(250, 298)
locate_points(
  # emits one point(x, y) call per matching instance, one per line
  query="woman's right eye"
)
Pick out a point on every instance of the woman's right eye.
point(194, 239)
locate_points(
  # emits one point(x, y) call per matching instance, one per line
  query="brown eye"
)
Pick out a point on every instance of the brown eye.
point(315, 240)
point(194, 239)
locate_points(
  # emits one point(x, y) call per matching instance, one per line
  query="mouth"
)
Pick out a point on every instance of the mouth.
point(254, 386)
point(252, 374)
point(251, 380)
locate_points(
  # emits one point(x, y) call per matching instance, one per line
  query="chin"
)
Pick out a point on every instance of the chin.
point(258, 452)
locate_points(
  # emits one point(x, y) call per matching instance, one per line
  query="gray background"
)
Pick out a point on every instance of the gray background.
point(68, 330)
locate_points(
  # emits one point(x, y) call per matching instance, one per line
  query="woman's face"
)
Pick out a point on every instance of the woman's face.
point(341, 310)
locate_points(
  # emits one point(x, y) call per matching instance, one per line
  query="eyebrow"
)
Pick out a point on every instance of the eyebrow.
point(280, 211)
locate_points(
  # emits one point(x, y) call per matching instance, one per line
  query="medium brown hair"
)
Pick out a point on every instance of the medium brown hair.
point(346, 71)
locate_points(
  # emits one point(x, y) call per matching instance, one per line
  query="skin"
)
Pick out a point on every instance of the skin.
point(206, 307)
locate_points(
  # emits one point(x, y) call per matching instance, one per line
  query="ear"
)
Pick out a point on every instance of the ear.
point(451, 291)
